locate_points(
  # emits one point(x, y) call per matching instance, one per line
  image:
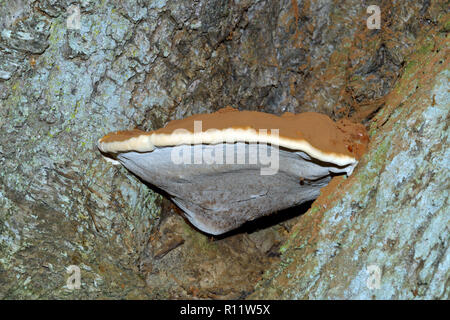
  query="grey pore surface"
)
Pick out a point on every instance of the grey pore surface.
point(220, 187)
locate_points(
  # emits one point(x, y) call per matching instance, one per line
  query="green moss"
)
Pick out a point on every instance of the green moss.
point(377, 159)
point(294, 234)
point(287, 244)
point(446, 27)
point(75, 111)
point(426, 48)
point(381, 151)
point(314, 210)
point(411, 66)
point(15, 86)
point(56, 31)
point(284, 247)
point(200, 241)
point(372, 132)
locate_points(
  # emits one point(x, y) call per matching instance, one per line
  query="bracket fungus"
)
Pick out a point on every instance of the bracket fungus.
point(229, 167)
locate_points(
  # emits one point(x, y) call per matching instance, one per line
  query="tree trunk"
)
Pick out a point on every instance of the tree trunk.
point(72, 71)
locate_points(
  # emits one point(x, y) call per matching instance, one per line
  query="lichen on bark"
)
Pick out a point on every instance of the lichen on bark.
point(392, 214)
point(140, 64)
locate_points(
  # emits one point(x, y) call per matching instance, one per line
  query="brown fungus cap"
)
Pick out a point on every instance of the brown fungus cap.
point(217, 197)
point(316, 134)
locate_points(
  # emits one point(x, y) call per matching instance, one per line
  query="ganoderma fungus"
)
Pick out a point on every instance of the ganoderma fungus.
point(229, 167)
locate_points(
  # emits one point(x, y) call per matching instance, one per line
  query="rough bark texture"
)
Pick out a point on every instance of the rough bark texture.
point(139, 64)
point(392, 213)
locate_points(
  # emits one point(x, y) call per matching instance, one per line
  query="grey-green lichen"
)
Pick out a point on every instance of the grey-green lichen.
point(139, 64)
point(393, 216)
